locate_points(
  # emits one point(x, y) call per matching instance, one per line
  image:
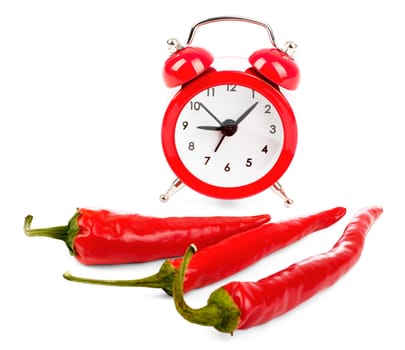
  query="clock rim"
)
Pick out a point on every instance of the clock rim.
point(213, 78)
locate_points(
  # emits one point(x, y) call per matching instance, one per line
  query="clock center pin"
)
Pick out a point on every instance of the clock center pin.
point(229, 127)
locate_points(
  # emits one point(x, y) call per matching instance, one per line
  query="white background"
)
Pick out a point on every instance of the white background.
point(81, 104)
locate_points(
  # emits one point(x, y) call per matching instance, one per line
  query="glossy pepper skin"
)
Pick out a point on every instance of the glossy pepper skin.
point(99, 237)
point(234, 253)
point(241, 305)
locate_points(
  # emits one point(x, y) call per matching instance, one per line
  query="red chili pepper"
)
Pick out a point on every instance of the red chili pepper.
point(236, 252)
point(105, 237)
point(241, 305)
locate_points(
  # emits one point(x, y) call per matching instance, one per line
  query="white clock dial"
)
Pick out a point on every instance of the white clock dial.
point(229, 135)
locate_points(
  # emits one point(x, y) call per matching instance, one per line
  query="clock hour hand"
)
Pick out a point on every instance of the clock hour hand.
point(246, 113)
point(210, 127)
point(215, 128)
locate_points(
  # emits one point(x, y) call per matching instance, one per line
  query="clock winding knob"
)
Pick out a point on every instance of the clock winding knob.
point(290, 47)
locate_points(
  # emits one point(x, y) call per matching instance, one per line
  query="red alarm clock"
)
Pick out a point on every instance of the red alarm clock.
point(229, 134)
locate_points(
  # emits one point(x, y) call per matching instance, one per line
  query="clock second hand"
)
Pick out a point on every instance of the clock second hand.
point(219, 143)
point(213, 127)
point(229, 129)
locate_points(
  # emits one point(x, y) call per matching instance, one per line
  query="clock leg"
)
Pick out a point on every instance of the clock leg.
point(279, 190)
point(174, 187)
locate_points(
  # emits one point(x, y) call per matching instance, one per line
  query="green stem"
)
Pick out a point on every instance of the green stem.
point(220, 312)
point(65, 233)
point(164, 279)
point(57, 232)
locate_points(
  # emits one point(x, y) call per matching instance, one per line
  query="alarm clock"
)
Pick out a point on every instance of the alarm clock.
point(229, 133)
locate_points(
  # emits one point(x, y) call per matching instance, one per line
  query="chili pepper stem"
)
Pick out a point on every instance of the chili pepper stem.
point(153, 281)
point(57, 232)
point(162, 279)
point(220, 311)
point(65, 233)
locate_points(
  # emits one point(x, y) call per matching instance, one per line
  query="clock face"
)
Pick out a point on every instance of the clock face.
point(229, 135)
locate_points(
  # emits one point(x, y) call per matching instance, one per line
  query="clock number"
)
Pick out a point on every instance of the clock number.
point(185, 125)
point(211, 92)
point(191, 146)
point(249, 162)
point(195, 106)
point(231, 87)
point(267, 109)
point(227, 167)
point(265, 149)
point(273, 129)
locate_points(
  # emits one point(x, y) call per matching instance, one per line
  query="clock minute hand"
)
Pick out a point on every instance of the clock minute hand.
point(223, 124)
point(246, 113)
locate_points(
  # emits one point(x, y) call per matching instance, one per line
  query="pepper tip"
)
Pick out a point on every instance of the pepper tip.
point(67, 275)
point(27, 224)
